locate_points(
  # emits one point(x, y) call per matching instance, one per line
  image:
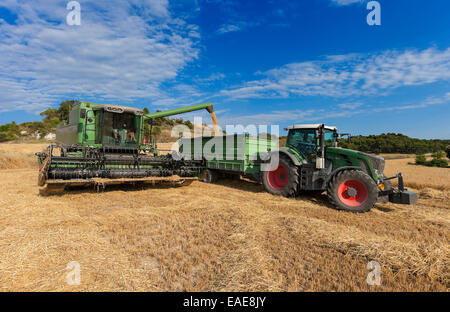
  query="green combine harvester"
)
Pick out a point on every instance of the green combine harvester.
point(106, 144)
point(311, 161)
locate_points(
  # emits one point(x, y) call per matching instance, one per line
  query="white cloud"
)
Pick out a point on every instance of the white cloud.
point(352, 74)
point(294, 116)
point(123, 51)
point(432, 100)
point(228, 28)
point(349, 105)
point(211, 78)
point(344, 110)
point(236, 26)
point(346, 2)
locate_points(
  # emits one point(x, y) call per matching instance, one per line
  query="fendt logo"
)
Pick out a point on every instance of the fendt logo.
point(113, 109)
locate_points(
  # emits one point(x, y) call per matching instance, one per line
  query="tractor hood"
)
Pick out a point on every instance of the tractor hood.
point(377, 162)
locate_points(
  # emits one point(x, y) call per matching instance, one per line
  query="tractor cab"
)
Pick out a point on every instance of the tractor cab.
point(310, 140)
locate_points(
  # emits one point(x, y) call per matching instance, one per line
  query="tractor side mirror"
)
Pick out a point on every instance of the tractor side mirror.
point(348, 135)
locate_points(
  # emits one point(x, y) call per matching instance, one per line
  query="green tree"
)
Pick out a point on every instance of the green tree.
point(421, 159)
point(50, 113)
point(443, 163)
point(7, 136)
point(438, 155)
point(65, 108)
point(189, 124)
point(51, 123)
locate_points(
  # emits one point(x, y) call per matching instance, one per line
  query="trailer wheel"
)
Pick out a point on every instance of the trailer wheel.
point(211, 176)
point(352, 190)
point(283, 180)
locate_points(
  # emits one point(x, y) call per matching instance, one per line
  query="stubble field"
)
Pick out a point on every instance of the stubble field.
point(229, 236)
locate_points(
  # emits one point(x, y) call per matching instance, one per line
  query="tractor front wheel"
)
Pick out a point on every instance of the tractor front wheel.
point(352, 190)
point(283, 180)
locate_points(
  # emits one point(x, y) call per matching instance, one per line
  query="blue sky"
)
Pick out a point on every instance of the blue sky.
point(259, 62)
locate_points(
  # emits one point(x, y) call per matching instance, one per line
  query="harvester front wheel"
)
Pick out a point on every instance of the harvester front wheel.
point(352, 190)
point(283, 180)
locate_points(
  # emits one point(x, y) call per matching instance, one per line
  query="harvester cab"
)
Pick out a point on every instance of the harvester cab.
point(312, 161)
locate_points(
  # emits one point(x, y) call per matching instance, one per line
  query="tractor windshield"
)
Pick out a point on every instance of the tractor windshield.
point(119, 129)
point(303, 140)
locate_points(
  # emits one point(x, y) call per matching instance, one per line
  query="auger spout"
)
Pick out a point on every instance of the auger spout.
point(176, 111)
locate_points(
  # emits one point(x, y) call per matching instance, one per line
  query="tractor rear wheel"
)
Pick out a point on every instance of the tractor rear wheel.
point(352, 190)
point(283, 180)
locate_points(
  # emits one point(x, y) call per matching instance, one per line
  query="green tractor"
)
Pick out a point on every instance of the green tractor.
point(107, 144)
point(312, 161)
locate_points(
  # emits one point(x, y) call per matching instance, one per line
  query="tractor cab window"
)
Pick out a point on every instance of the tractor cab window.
point(303, 140)
point(119, 129)
point(330, 138)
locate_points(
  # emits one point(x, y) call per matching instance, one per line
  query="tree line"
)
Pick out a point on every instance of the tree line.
point(394, 143)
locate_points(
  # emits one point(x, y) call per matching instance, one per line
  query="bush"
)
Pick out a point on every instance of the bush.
point(189, 124)
point(443, 163)
point(439, 155)
point(421, 159)
point(7, 136)
point(447, 151)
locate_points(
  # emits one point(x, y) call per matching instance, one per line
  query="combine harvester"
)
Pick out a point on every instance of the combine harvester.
point(311, 161)
point(106, 144)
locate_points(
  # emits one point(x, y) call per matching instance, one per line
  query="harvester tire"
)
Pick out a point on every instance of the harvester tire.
point(352, 190)
point(211, 176)
point(282, 181)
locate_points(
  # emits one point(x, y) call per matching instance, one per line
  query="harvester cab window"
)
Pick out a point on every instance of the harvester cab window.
point(119, 129)
point(303, 140)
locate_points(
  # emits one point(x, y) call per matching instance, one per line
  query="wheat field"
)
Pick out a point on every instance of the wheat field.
point(228, 236)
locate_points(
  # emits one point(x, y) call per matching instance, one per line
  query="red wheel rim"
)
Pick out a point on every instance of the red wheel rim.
point(348, 187)
point(278, 178)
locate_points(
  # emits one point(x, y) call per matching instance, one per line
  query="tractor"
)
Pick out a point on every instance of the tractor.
point(312, 161)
